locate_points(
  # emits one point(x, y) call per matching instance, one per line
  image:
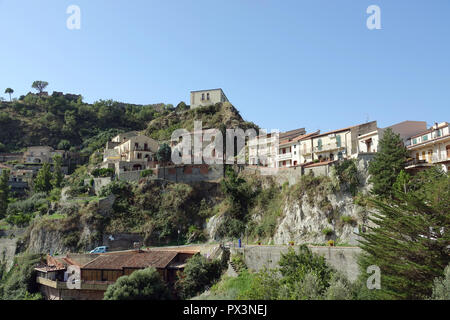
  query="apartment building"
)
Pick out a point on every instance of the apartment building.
point(202, 98)
point(341, 143)
point(264, 150)
point(430, 147)
point(368, 143)
point(130, 152)
point(296, 151)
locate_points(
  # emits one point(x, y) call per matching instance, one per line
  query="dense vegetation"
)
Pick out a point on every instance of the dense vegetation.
point(20, 282)
point(409, 242)
point(301, 275)
point(65, 122)
point(146, 284)
point(199, 274)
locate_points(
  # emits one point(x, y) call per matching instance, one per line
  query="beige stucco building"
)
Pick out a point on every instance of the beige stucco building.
point(368, 143)
point(130, 152)
point(430, 147)
point(202, 98)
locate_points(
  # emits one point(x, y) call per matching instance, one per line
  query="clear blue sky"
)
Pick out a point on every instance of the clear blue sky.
point(283, 64)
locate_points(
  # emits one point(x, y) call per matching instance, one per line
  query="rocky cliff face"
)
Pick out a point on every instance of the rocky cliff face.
point(305, 223)
point(314, 212)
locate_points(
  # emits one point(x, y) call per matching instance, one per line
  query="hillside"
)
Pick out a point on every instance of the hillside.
point(66, 122)
point(219, 116)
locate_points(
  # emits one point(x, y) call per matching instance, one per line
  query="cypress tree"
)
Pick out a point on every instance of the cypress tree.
point(388, 162)
point(43, 183)
point(410, 239)
point(58, 175)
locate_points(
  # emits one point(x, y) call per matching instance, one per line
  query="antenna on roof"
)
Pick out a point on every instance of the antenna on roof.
point(367, 118)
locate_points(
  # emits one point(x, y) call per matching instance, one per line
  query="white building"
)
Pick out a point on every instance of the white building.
point(430, 147)
point(264, 150)
point(202, 98)
point(368, 143)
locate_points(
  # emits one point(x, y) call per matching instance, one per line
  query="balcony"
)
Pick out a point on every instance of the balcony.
point(306, 152)
point(85, 285)
point(328, 147)
point(284, 156)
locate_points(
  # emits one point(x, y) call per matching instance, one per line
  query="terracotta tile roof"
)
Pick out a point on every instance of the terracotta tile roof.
point(292, 133)
point(439, 126)
point(132, 259)
point(299, 138)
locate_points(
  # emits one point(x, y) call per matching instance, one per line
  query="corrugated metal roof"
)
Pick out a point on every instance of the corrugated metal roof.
point(133, 259)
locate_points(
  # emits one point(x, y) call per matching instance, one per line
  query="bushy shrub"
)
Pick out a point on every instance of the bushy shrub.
point(103, 172)
point(238, 262)
point(441, 286)
point(327, 232)
point(21, 212)
point(144, 284)
point(20, 282)
point(198, 275)
point(348, 220)
point(146, 173)
point(347, 174)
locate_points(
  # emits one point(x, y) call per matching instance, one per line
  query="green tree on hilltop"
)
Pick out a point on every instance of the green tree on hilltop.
point(9, 91)
point(388, 162)
point(39, 86)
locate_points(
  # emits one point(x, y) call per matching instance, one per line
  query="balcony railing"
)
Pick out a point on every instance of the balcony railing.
point(284, 156)
point(328, 147)
point(306, 151)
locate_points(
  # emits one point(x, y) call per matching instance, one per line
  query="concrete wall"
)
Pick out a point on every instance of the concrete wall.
point(191, 173)
point(99, 183)
point(323, 170)
point(343, 259)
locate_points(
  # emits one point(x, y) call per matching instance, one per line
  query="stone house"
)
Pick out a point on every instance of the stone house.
point(202, 98)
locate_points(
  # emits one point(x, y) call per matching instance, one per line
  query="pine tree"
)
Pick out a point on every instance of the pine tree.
point(409, 242)
point(42, 183)
point(58, 175)
point(388, 162)
point(4, 192)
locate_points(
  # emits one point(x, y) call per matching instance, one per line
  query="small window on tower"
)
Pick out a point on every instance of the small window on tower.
point(207, 96)
point(203, 96)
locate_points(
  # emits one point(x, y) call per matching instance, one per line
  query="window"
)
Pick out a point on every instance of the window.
point(207, 96)
point(415, 141)
point(338, 141)
point(425, 138)
point(319, 144)
point(203, 96)
point(439, 133)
